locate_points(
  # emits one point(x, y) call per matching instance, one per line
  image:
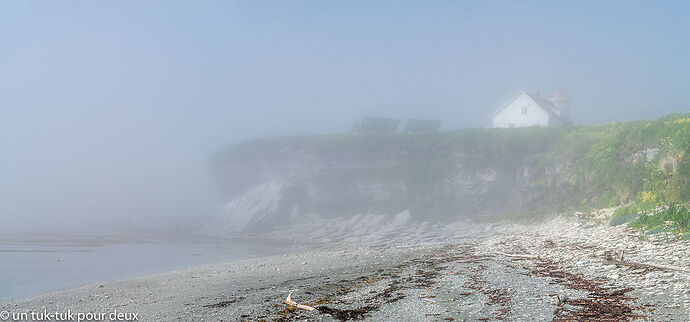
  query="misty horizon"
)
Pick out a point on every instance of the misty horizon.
point(111, 110)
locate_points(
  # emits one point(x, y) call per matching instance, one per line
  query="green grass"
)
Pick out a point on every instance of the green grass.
point(673, 218)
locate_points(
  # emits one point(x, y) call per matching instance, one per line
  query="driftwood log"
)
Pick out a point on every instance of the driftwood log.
point(613, 260)
point(518, 255)
point(290, 302)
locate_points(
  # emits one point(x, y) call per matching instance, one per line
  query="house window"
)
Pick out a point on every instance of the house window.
point(524, 110)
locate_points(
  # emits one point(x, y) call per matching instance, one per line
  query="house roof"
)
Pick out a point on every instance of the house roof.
point(548, 106)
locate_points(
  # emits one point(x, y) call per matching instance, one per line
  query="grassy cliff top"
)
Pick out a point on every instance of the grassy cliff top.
point(669, 132)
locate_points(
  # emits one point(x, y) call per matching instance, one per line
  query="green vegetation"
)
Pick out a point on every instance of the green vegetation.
point(642, 163)
point(673, 218)
point(655, 188)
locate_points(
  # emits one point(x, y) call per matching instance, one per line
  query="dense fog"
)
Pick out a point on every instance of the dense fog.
point(111, 110)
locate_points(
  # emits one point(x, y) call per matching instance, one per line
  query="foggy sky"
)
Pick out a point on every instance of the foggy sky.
point(111, 109)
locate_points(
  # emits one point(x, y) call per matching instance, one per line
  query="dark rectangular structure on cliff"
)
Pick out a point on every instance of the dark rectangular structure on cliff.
point(414, 125)
point(375, 125)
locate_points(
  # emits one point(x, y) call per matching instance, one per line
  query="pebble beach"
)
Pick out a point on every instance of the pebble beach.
point(562, 269)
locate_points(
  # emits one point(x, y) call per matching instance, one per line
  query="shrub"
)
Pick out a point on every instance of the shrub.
point(675, 217)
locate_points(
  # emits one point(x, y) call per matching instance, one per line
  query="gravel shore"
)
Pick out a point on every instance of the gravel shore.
point(562, 269)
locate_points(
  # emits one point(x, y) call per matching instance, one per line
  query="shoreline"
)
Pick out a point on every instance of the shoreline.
point(558, 269)
point(34, 266)
point(166, 295)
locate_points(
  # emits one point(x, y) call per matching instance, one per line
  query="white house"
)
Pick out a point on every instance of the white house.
point(533, 110)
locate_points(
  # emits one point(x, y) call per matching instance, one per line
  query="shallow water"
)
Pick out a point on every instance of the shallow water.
point(35, 263)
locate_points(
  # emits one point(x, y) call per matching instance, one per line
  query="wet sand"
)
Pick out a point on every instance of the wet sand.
point(35, 263)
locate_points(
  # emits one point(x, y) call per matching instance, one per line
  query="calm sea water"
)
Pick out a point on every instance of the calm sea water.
point(31, 264)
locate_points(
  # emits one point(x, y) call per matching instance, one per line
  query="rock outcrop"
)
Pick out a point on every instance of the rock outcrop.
point(272, 183)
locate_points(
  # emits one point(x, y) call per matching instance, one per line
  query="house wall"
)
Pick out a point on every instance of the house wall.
point(512, 114)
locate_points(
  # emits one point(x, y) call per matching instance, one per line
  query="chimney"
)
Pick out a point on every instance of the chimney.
point(560, 97)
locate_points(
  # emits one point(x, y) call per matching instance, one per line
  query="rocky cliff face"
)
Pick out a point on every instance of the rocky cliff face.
point(361, 180)
point(272, 183)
